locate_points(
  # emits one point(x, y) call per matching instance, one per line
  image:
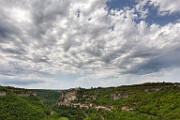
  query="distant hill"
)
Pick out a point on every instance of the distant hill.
point(22, 104)
point(150, 101)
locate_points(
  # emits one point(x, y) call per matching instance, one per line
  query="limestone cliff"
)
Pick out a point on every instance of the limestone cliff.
point(68, 97)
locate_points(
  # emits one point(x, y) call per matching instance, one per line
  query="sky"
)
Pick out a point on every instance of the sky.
point(61, 44)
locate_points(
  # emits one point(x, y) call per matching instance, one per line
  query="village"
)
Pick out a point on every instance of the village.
point(68, 99)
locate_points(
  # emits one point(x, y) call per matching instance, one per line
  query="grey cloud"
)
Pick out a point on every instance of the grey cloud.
point(162, 59)
point(17, 69)
point(38, 59)
point(142, 52)
point(7, 25)
point(18, 51)
point(124, 49)
point(145, 52)
point(68, 44)
point(7, 29)
point(20, 82)
point(95, 51)
point(6, 74)
point(45, 14)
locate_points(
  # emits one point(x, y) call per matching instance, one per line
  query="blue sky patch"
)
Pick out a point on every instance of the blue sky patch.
point(120, 4)
point(153, 15)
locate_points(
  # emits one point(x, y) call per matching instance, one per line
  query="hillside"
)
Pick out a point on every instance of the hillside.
point(151, 101)
point(22, 104)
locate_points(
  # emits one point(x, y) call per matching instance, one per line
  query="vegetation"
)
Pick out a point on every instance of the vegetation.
point(15, 107)
point(49, 97)
point(63, 118)
point(150, 101)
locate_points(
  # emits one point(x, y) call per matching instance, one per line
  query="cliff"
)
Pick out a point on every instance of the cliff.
point(68, 97)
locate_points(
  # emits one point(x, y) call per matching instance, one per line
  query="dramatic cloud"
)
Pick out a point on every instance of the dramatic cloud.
point(167, 6)
point(71, 43)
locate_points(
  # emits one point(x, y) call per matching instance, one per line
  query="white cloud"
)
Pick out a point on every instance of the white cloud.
point(167, 6)
point(141, 9)
point(82, 37)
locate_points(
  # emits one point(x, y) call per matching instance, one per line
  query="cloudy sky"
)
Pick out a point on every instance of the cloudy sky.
point(69, 43)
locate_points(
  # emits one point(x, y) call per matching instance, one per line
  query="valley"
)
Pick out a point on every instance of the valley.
point(151, 101)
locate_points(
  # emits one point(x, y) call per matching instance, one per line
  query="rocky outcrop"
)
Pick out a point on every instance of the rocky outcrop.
point(102, 107)
point(2, 93)
point(126, 108)
point(23, 94)
point(18, 91)
point(152, 90)
point(119, 95)
point(68, 98)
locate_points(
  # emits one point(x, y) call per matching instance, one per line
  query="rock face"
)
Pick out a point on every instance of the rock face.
point(126, 108)
point(23, 94)
point(2, 93)
point(152, 90)
point(68, 98)
point(18, 92)
point(119, 95)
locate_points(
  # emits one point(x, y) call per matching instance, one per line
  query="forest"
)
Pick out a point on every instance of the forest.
point(150, 101)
